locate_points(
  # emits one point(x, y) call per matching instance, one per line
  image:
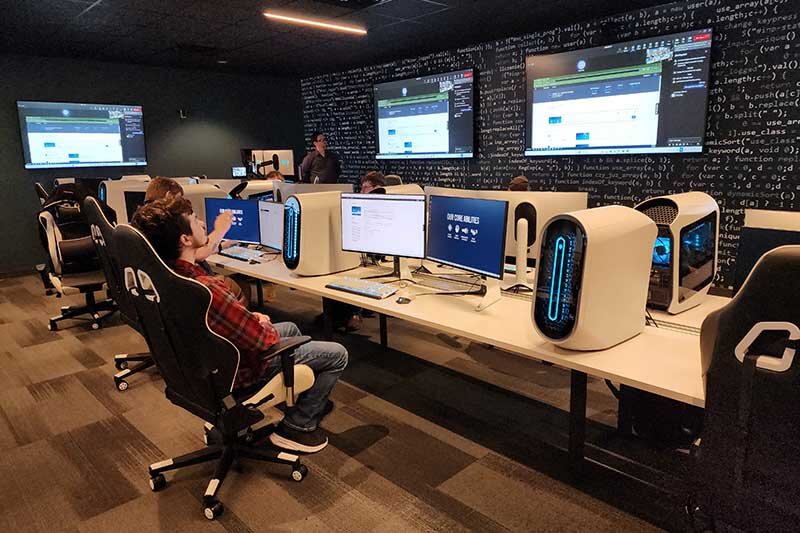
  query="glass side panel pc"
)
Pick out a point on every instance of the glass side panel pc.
point(468, 233)
point(291, 233)
point(244, 227)
point(425, 117)
point(69, 135)
point(384, 224)
point(559, 282)
point(696, 255)
point(660, 291)
point(270, 223)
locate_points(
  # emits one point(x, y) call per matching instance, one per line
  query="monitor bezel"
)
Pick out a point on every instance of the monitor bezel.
point(502, 257)
point(385, 197)
point(31, 166)
point(280, 208)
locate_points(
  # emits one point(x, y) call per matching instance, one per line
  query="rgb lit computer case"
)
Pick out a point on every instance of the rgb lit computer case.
point(592, 275)
point(685, 251)
point(312, 225)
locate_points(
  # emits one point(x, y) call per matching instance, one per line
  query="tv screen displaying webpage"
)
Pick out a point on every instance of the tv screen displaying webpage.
point(636, 97)
point(428, 117)
point(67, 135)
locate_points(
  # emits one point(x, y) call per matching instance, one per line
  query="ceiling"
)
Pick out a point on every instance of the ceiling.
point(204, 33)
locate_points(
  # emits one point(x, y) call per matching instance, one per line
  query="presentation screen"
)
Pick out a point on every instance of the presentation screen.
point(63, 135)
point(425, 118)
point(468, 233)
point(385, 224)
point(245, 225)
point(637, 97)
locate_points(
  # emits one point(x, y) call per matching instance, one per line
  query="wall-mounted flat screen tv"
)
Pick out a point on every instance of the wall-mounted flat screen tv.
point(636, 97)
point(66, 135)
point(430, 117)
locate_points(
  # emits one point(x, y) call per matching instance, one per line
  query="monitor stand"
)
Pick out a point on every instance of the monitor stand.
point(521, 284)
point(401, 271)
point(491, 294)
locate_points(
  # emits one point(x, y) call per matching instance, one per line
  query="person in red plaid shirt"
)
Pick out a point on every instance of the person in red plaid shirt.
point(176, 234)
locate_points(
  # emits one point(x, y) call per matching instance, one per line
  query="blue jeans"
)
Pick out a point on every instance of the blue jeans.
point(327, 360)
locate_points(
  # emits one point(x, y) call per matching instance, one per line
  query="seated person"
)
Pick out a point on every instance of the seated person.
point(163, 188)
point(176, 234)
point(372, 181)
point(519, 183)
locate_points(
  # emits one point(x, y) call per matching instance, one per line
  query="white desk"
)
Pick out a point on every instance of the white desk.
point(664, 360)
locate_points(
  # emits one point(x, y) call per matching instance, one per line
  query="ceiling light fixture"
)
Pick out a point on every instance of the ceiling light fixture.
point(317, 24)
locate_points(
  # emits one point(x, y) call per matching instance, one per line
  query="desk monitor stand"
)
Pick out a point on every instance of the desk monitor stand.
point(491, 294)
point(401, 271)
point(522, 284)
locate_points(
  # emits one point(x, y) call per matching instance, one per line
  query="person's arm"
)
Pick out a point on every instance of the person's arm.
point(221, 226)
point(228, 318)
point(305, 167)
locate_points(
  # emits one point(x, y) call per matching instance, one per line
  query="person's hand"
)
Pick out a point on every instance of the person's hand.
point(227, 244)
point(263, 319)
point(223, 222)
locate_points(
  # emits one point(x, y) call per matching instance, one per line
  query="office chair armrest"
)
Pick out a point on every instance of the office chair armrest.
point(285, 349)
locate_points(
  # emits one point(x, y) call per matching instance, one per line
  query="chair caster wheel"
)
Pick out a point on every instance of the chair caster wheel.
point(122, 385)
point(158, 482)
point(213, 510)
point(121, 365)
point(299, 472)
point(95, 325)
point(52, 326)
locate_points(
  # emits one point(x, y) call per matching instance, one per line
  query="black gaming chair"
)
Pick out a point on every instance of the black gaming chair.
point(199, 367)
point(101, 231)
point(73, 266)
point(748, 466)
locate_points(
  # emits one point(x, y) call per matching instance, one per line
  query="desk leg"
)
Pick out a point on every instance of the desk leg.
point(625, 410)
point(327, 319)
point(384, 331)
point(260, 293)
point(577, 418)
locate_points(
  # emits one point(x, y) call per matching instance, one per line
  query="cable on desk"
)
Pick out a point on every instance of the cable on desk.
point(652, 321)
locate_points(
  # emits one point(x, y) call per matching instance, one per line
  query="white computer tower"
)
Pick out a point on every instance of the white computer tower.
point(592, 277)
point(312, 235)
point(684, 258)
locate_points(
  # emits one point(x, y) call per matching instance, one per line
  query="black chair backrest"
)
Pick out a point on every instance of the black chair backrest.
point(102, 236)
point(198, 366)
point(748, 467)
point(41, 192)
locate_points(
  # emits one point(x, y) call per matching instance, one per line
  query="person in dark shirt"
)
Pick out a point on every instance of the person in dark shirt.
point(320, 162)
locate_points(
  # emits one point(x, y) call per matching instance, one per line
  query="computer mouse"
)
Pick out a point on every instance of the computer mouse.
point(403, 300)
point(253, 262)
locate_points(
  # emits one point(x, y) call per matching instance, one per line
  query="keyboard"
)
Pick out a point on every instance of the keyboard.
point(242, 253)
point(370, 289)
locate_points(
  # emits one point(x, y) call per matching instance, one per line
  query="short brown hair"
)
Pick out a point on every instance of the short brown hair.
point(159, 188)
point(163, 222)
point(274, 175)
point(520, 183)
point(375, 178)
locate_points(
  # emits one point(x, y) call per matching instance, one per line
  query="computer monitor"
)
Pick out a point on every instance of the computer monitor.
point(245, 218)
point(468, 233)
point(238, 172)
point(385, 224)
point(270, 222)
point(133, 201)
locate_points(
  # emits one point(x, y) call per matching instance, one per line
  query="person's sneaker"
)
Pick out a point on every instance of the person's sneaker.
point(298, 441)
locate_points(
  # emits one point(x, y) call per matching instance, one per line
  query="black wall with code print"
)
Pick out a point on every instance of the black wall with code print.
point(751, 157)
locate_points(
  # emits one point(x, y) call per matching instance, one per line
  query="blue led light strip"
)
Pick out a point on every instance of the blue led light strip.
point(557, 270)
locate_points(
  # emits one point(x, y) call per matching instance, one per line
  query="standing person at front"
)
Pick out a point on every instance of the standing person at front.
point(320, 162)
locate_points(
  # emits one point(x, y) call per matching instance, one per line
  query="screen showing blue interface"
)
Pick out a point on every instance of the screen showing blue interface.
point(468, 233)
point(662, 251)
point(426, 117)
point(245, 218)
point(65, 135)
point(644, 96)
